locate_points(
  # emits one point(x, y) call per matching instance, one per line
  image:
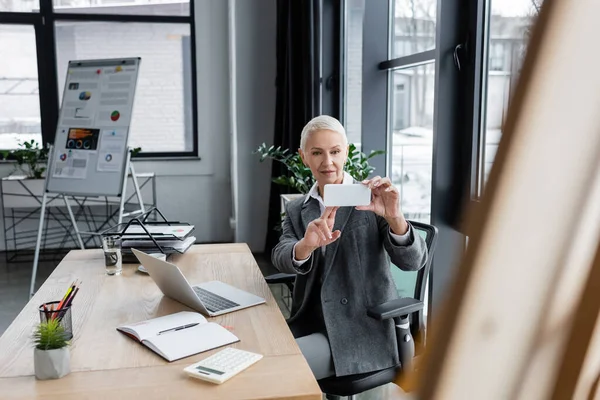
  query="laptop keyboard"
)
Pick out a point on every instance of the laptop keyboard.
point(213, 302)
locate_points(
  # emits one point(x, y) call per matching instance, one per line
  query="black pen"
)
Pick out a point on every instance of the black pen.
point(178, 328)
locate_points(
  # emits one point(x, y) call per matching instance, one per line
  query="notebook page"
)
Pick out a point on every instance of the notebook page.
point(186, 342)
point(149, 328)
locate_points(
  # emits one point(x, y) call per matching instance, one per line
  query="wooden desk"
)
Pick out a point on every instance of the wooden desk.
point(107, 364)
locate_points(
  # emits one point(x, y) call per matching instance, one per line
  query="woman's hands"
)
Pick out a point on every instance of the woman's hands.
point(318, 233)
point(385, 201)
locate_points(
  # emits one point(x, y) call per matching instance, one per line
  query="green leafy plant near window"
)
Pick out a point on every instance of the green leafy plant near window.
point(50, 335)
point(31, 158)
point(300, 178)
point(135, 151)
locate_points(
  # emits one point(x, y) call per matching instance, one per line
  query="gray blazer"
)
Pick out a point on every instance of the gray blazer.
point(356, 276)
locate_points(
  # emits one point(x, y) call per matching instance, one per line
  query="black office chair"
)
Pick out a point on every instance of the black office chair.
point(409, 320)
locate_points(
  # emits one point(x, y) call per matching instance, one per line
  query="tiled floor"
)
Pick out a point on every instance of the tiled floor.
point(14, 288)
point(14, 285)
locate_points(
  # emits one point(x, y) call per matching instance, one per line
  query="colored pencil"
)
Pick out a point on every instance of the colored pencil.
point(65, 297)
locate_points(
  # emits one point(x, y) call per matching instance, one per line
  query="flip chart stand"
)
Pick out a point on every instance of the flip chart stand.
point(128, 169)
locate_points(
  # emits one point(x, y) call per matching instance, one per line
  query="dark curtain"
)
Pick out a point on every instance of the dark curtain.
point(297, 90)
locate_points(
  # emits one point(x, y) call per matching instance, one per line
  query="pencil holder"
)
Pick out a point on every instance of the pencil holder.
point(63, 316)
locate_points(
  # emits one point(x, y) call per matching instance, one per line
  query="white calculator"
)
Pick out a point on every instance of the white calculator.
point(223, 365)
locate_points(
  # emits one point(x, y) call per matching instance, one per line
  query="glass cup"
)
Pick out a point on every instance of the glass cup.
point(113, 257)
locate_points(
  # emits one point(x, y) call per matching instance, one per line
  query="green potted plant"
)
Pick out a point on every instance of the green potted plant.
point(51, 358)
point(31, 158)
point(135, 151)
point(299, 177)
point(24, 186)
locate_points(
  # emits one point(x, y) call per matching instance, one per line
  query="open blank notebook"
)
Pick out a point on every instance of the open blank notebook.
point(179, 335)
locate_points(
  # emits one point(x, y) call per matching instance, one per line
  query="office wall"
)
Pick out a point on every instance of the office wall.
point(255, 26)
point(199, 191)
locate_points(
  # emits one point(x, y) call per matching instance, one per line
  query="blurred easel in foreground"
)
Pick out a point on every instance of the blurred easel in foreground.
point(521, 321)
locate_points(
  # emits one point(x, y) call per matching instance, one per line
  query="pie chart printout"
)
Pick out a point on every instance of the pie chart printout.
point(90, 152)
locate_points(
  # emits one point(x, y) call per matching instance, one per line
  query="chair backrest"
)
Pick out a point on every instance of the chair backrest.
point(413, 284)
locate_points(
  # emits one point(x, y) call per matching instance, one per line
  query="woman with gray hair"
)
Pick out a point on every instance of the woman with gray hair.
point(340, 257)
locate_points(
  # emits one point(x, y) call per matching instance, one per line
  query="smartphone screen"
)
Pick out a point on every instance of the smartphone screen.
point(346, 195)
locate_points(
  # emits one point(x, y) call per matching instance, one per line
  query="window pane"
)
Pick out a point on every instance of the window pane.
point(19, 5)
point(129, 7)
point(355, 11)
point(414, 26)
point(19, 98)
point(411, 143)
point(509, 30)
point(161, 120)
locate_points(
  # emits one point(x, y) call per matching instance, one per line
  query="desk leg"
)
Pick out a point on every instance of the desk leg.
point(36, 256)
point(74, 222)
point(136, 187)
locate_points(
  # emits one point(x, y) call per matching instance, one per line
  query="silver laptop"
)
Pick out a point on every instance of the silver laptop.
point(210, 298)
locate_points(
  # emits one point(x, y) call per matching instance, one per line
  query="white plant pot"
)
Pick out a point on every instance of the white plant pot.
point(51, 364)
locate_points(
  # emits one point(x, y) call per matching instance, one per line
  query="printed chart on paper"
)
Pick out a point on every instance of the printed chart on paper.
point(95, 117)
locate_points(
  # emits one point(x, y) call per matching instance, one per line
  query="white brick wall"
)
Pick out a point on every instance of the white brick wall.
point(354, 74)
point(18, 60)
point(158, 118)
point(158, 122)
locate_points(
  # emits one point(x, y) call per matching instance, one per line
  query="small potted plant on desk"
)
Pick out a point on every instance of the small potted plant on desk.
point(51, 358)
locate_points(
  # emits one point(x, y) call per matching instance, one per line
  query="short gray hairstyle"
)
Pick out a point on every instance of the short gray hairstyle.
point(322, 122)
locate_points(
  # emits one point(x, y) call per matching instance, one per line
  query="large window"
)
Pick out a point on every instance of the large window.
point(416, 102)
point(161, 32)
point(400, 90)
point(389, 99)
point(353, 70)
point(410, 102)
point(411, 140)
point(411, 84)
point(506, 36)
point(132, 7)
point(19, 95)
point(19, 5)
point(414, 26)
point(436, 80)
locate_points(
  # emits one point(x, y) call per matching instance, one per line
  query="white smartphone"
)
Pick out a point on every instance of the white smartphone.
point(339, 195)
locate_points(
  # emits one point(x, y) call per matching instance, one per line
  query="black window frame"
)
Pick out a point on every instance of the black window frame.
point(330, 53)
point(459, 28)
point(44, 22)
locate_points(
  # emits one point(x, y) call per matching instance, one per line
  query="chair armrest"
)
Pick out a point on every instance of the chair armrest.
point(395, 308)
point(280, 278)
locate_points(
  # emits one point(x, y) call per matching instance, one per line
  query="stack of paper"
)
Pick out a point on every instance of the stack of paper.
point(169, 246)
point(171, 237)
point(158, 231)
